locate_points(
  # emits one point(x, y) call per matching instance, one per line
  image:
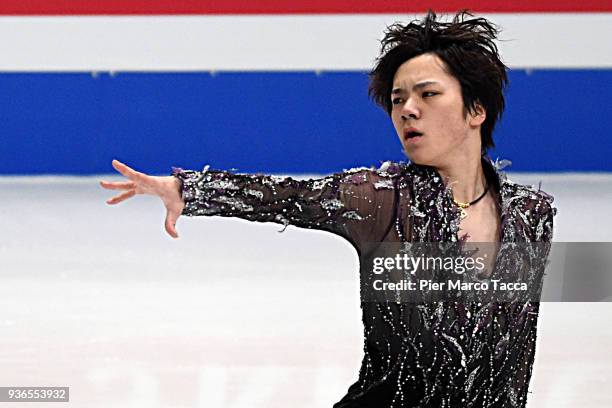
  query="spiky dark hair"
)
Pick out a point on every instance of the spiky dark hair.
point(467, 48)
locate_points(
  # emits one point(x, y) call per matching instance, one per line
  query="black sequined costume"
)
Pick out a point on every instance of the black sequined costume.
point(445, 354)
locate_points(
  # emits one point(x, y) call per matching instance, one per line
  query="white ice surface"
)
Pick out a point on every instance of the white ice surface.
point(99, 299)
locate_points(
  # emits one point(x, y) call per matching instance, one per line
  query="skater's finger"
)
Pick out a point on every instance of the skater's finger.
point(121, 197)
point(170, 224)
point(127, 171)
point(118, 185)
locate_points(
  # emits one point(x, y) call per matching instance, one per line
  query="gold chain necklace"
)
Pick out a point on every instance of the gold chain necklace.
point(463, 206)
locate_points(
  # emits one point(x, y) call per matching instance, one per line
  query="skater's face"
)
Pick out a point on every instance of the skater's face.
point(427, 99)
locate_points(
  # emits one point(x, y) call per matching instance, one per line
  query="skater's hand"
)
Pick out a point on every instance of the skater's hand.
point(167, 188)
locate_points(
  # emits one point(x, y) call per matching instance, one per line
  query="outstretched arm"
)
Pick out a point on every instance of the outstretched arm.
point(356, 204)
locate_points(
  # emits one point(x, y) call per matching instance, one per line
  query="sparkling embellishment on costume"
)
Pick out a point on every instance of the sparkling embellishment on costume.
point(236, 203)
point(333, 204)
point(383, 184)
point(255, 193)
point(352, 215)
point(227, 185)
point(320, 184)
point(445, 354)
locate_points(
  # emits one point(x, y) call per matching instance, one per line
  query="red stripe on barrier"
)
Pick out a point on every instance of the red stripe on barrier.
point(187, 7)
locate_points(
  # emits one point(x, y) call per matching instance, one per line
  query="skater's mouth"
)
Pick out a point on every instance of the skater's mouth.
point(411, 133)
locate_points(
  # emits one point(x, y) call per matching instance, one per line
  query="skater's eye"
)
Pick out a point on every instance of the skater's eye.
point(429, 93)
point(397, 101)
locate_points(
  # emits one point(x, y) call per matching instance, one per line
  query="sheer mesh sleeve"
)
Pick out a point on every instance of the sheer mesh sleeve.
point(356, 204)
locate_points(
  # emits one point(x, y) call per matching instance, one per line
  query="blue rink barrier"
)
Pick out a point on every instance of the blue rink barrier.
point(275, 122)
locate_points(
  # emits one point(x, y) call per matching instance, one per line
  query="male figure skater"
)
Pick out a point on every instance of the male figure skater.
point(442, 85)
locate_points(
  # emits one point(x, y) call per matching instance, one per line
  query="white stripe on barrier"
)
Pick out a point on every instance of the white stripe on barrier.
point(246, 43)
